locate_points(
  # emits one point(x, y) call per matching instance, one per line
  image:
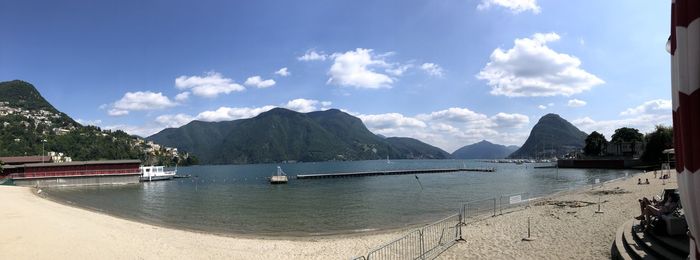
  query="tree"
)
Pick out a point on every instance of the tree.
point(595, 144)
point(657, 142)
point(626, 134)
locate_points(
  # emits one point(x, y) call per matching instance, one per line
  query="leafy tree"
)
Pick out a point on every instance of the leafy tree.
point(626, 134)
point(657, 142)
point(595, 144)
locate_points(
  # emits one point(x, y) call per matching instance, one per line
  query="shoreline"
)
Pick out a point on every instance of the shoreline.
point(264, 236)
point(61, 224)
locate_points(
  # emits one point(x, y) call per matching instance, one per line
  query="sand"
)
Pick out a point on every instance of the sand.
point(32, 227)
point(565, 226)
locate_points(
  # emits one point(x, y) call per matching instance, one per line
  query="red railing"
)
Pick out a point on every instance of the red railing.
point(72, 173)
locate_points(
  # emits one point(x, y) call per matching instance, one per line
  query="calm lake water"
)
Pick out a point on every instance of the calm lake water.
point(237, 199)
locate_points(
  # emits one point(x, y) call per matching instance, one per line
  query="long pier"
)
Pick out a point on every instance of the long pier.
point(393, 172)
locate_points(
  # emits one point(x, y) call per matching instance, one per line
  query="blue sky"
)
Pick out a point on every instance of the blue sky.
point(449, 72)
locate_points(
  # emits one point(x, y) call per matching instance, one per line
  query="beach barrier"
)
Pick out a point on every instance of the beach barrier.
point(423, 243)
point(431, 240)
point(494, 206)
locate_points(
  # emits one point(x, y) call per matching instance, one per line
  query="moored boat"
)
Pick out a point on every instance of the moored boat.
point(156, 173)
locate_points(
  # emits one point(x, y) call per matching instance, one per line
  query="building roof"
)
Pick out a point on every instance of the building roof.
point(76, 163)
point(25, 159)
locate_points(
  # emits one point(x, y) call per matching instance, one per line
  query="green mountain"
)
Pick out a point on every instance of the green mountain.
point(410, 148)
point(27, 121)
point(24, 95)
point(484, 150)
point(551, 136)
point(284, 135)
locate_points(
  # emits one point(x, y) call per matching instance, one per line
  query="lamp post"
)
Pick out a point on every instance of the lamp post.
point(43, 141)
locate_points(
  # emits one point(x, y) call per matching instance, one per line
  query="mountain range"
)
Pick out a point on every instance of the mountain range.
point(551, 136)
point(284, 135)
point(274, 136)
point(484, 150)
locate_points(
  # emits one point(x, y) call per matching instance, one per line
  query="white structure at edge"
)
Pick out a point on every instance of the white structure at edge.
point(279, 178)
point(156, 173)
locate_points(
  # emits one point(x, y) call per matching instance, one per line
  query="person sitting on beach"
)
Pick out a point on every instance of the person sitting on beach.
point(656, 201)
point(639, 181)
point(666, 206)
point(647, 182)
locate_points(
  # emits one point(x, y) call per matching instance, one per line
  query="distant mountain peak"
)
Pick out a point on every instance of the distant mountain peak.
point(22, 94)
point(551, 136)
point(483, 150)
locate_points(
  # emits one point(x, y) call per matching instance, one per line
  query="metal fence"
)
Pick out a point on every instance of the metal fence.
point(440, 235)
point(473, 210)
point(429, 241)
point(510, 201)
point(423, 243)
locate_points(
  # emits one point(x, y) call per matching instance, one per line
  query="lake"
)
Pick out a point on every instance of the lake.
point(237, 199)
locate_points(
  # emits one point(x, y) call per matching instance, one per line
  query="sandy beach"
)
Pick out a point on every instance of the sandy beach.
point(565, 225)
point(37, 228)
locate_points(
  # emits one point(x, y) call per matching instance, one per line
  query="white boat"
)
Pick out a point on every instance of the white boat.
point(156, 173)
point(279, 178)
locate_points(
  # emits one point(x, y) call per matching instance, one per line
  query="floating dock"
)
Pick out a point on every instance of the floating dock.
point(393, 172)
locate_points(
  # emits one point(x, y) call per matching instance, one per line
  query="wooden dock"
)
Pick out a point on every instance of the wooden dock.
point(394, 172)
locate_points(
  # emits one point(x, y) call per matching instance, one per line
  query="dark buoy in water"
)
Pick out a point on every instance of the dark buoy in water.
point(421, 185)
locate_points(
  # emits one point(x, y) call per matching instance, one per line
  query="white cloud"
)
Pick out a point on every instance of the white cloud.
point(516, 6)
point(456, 114)
point(531, 68)
point(283, 72)
point(542, 107)
point(312, 55)
point(451, 128)
point(576, 103)
point(210, 85)
point(258, 82)
point(182, 96)
point(174, 120)
point(356, 69)
point(432, 69)
point(139, 101)
point(398, 70)
point(649, 106)
point(643, 117)
point(95, 122)
point(390, 121)
point(302, 105)
point(510, 120)
point(143, 131)
point(117, 112)
point(326, 104)
point(231, 113)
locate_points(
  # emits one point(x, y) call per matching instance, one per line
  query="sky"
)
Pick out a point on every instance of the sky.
point(448, 72)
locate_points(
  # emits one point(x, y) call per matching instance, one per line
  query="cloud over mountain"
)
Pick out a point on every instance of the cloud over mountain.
point(531, 69)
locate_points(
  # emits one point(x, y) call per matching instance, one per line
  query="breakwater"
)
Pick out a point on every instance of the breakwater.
point(391, 172)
